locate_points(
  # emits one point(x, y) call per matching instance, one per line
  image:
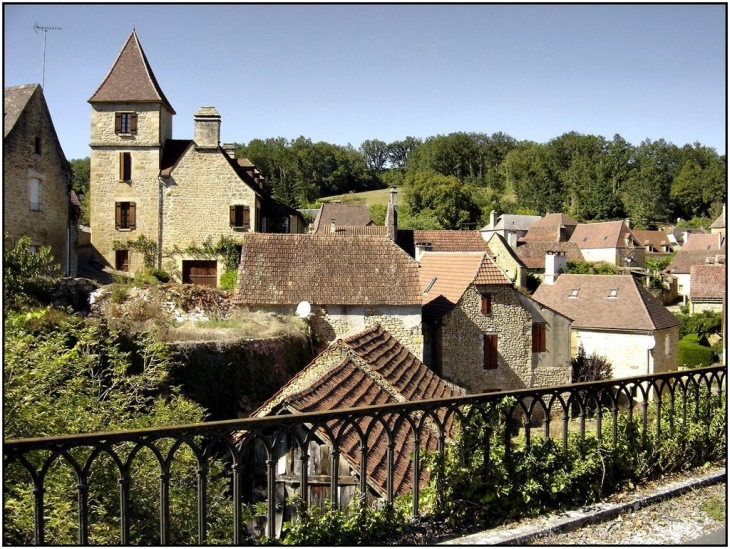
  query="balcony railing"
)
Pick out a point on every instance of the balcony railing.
point(574, 408)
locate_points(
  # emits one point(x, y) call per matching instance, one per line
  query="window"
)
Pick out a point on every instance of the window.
point(486, 304)
point(121, 262)
point(125, 122)
point(37, 145)
point(491, 356)
point(126, 216)
point(34, 191)
point(574, 292)
point(539, 332)
point(125, 166)
point(667, 346)
point(240, 217)
point(613, 292)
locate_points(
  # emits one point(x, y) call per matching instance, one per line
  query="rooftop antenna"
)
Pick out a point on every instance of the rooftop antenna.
point(45, 30)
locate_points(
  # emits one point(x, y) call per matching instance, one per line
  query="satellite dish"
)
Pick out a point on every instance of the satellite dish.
point(303, 309)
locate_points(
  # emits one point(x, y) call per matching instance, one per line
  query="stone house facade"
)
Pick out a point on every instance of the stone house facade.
point(348, 282)
point(177, 194)
point(616, 317)
point(698, 249)
point(37, 196)
point(482, 334)
point(609, 241)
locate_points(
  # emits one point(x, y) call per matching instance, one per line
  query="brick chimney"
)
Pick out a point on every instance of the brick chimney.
point(207, 128)
point(391, 216)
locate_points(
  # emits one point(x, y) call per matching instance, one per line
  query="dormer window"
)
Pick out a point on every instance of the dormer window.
point(125, 123)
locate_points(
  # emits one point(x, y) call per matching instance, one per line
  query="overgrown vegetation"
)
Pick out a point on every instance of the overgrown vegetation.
point(28, 273)
point(584, 267)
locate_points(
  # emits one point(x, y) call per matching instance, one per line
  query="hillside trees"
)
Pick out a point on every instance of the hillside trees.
point(440, 197)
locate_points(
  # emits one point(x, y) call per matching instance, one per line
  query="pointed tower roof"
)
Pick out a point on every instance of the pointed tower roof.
point(130, 79)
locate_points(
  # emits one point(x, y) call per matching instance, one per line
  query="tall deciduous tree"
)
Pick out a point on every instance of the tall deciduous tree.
point(441, 197)
point(375, 152)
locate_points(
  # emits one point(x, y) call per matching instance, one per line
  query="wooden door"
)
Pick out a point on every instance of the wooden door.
point(200, 272)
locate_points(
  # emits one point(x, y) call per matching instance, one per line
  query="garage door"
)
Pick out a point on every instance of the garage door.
point(200, 272)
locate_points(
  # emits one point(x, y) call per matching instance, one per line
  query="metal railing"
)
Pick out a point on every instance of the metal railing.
point(536, 411)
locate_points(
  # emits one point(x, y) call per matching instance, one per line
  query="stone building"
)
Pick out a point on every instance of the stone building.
point(177, 194)
point(349, 282)
point(482, 334)
point(37, 196)
point(609, 241)
point(616, 317)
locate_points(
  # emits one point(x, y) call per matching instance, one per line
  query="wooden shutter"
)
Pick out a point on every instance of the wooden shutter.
point(121, 166)
point(117, 215)
point(246, 216)
point(538, 338)
point(132, 215)
point(491, 354)
point(486, 304)
point(118, 122)
point(233, 216)
point(133, 123)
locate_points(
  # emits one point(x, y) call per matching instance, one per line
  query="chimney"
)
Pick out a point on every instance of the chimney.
point(230, 149)
point(555, 264)
point(207, 128)
point(333, 226)
point(391, 216)
point(492, 219)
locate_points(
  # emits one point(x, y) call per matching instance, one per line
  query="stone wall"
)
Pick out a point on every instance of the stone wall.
point(461, 352)
point(49, 225)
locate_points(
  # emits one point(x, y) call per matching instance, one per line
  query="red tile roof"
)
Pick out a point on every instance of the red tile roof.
point(373, 230)
point(549, 227)
point(683, 261)
point(533, 254)
point(451, 241)
point(285, 269)
point(707, 282)
point(130, 78)
point(610, 302)
point(376, 369)
point(706, 242)
point(609, 234)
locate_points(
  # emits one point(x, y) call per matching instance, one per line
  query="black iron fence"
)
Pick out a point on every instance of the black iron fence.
point(225, 467)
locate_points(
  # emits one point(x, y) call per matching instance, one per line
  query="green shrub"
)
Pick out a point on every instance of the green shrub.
point(161, 275)
point(28, 274)
point(119, 293)
point(694, 355)
point(228, 280)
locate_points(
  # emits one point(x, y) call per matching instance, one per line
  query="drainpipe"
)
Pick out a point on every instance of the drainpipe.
point(159, 220)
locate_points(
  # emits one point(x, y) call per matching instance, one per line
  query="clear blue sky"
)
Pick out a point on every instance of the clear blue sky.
point(347, 73)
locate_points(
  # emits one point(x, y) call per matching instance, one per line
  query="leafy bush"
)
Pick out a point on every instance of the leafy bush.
point(27, 274)
point(694, 355)
point(119, 293)
point(228, 280)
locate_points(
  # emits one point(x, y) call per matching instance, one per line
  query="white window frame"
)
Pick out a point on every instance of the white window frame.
point(36, 182)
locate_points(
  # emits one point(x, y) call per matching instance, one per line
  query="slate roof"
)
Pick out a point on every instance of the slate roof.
point(348, 215)
point(546, 229)
point(533, 254)
point(130, 78)
point(16, 98)
point(608, 234)
point(707, 282)
point(376, 369)
point(285, 269)
point(632, 309)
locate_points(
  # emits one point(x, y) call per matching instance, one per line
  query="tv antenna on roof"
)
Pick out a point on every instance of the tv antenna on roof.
point(45, 30)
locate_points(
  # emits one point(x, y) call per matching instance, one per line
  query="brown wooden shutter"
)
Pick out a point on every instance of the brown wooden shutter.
point(133, 123)
point(233, 216)
point(121, 166)
point(118, 122)
point(132, 215)
point(486, 304)
point(118, 215)
point(246, 216)
point(490, 351)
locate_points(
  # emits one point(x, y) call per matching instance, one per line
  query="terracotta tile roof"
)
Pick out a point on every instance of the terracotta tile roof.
point(608, 234)
point(657, 239)
point(130, 78)
point(451, 241)
point(533, 254)
point(16, 98)
point(489, 274)
point(376, 369)
point(706, 242)
point(348, 215)
point(707, 282)
point(547, 229)
point(373, 230)
point(683, 261)
point(609, 302)
point(449, 274)
point(284, 269)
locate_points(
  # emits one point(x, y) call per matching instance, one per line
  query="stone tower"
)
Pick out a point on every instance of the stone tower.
point(131, 119)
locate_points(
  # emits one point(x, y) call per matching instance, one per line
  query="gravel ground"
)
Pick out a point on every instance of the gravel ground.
point(670, 522)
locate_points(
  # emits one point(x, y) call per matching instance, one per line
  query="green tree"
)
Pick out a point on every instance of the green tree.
point(81, 169)
point(440, 196)
point(400, 151)
point(28, 274)
point(375, 152)
point(530, 172)
point(700, 182)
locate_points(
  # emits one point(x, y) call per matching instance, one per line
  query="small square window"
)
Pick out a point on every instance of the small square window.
point(125, 122)
point(613, 292)
point(574, 292)
point(126, 216)
point(240, 217)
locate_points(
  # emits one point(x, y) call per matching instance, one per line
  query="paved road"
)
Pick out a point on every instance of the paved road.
point(718, 537)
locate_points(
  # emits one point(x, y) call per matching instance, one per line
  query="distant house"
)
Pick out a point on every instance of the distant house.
point(367, 368)
point(350, 282)
point(615, 316)
point(708, 286)
point(481, 333)
point(699, 249)
point(554, 227)
point(333, 215)
point(37, 198)
point(511, 227)
point(609, 241)
point(657, 244)
point(718, 226)
point(533, 253)
point(508, 260)
point(176, 193)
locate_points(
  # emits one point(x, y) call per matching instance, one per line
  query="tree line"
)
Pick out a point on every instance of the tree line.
point(455, 180)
